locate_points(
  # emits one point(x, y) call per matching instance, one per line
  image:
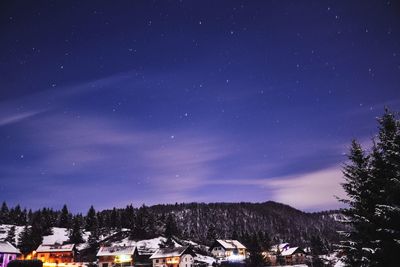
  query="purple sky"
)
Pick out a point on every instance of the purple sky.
point(162, 101)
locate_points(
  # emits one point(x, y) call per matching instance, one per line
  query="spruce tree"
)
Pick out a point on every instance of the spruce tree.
point(387, 208)
point(93, 241)
point(317, 249)
point(91, 219)
point(45, 221)
point(171, 229)
point(256, 259)
point(11, 235)
point(115, 220)
point(144, 226)
point(211, 235)
point(75, 234)
point(4, 214)
point(128, 218)
point(372, 184)
point(29, 239)
point(64, 219)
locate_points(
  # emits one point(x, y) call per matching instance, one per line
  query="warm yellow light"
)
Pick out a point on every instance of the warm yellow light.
point(122, 258)
point(172, 260)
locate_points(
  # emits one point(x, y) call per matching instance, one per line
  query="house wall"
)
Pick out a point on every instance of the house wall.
point(109, 261)
point(105, 261)
point(218, 252)
point(229, 254)
point(55, 257)
point(163, 262)
point(5, 258)
point(187, 260)
point(296, 258)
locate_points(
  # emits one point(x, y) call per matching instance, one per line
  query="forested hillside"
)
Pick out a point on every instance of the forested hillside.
point(199, 222)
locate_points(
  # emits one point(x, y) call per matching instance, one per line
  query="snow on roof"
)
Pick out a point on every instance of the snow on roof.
point(116, 250)
point(55, 248)
point(231, 244)
point(291, 251)
point(281, 247)
point(6, 247)
point(144, 247)
point(169, 252)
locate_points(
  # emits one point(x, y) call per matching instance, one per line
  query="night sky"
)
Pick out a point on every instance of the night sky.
point(117, 102)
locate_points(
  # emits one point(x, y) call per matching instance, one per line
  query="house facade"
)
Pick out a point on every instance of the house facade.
point(55, 253)
point(283, 254)
point(173, 257)
point(228, 250)
point(117, 256)
point(293, 255)
point(7, 253)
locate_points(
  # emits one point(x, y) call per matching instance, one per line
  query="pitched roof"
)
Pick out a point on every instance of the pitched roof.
point(6, 247)
point(169, 252)
point(55, 248)
point(280, 247)
point(231, 244)
point(116, 250)
point(291, 251)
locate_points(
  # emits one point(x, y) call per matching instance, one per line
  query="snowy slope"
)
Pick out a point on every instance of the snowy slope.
point(4, 228)
point(60, 235)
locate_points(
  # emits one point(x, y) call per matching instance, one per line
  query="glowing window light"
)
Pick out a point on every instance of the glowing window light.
point(122, 258)
point(172, 260)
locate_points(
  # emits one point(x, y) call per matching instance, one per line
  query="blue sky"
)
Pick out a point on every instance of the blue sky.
point(179, 101)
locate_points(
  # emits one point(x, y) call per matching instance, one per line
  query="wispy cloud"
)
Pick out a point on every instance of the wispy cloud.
point(314, 190)
point(16, 117)
point(309, 191)
point(89, 156)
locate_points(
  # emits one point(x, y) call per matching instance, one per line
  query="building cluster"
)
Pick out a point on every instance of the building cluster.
point(126, 256)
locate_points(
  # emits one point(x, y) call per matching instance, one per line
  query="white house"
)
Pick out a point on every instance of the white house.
point(228, 250)
point(121, 256)
point(56, 253)
point(173, 257)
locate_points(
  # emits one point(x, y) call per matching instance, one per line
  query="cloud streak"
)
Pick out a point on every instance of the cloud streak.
point(17, 117)
point(91, 156)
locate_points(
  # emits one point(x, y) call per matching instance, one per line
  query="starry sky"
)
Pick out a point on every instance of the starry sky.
point(111, 103)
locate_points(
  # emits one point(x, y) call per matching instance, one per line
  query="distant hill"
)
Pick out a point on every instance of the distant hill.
point(280, 222)
point(198, 222)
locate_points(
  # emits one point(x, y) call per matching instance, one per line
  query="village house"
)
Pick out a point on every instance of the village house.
point(173, 257)
point(7, 253)
point(284, 254)
point(293, 255)
point(118, 256)
point(272, 255)
point(50, 254)
point(228, 250)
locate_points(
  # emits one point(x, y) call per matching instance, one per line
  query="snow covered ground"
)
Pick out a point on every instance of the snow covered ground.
point(4, 228)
